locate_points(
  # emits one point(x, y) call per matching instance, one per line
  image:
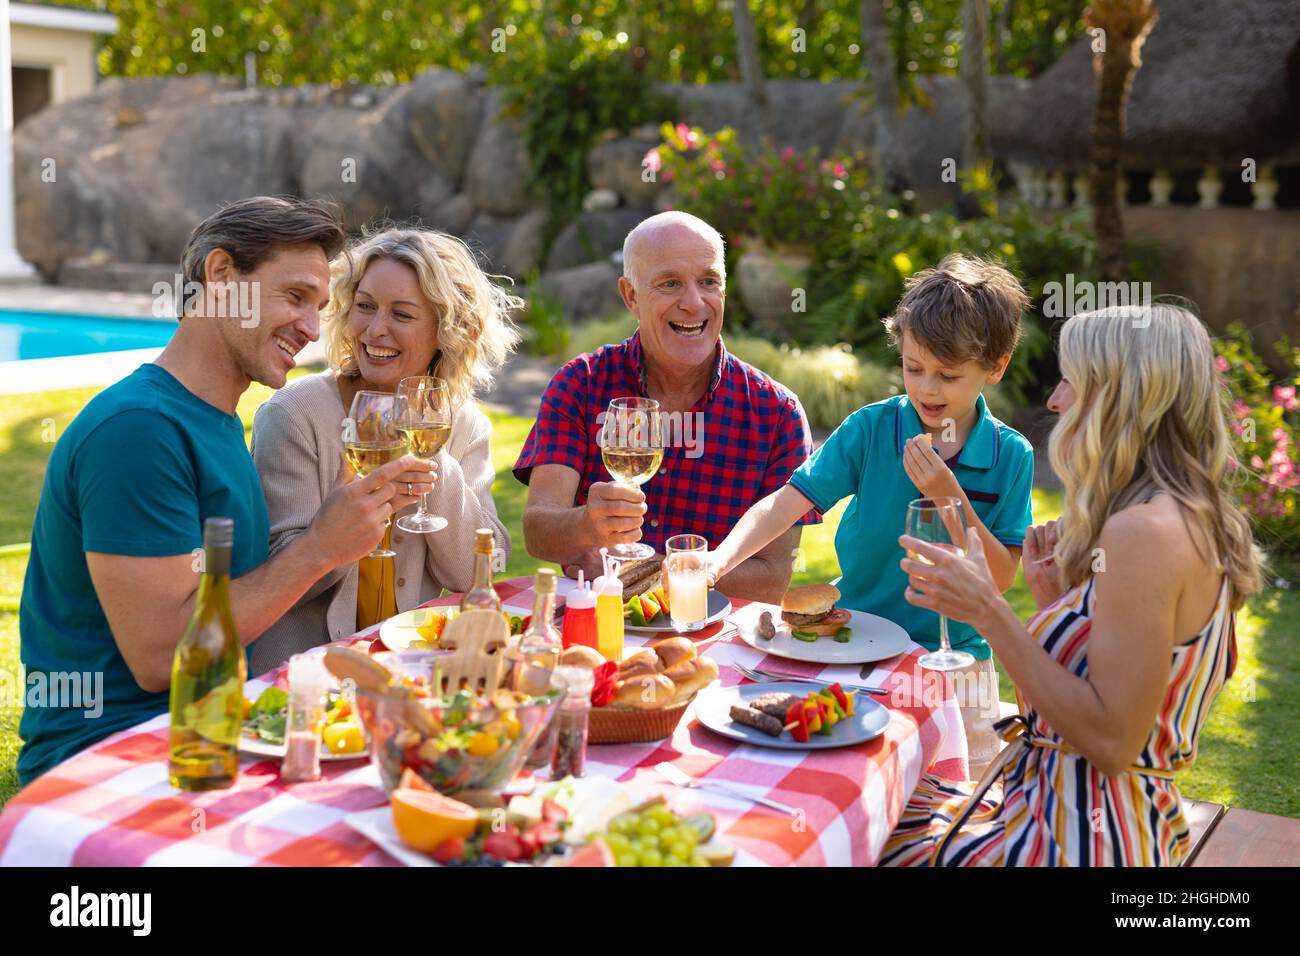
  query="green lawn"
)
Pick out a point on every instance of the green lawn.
point(1248, 749)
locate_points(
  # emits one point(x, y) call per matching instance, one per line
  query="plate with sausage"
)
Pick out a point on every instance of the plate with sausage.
point(758, 714)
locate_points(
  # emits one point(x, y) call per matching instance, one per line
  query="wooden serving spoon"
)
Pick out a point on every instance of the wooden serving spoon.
point(369, 675)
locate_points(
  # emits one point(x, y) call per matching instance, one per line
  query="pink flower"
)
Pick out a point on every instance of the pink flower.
point(1279, 436)
point(1221, 363)
point(1240, 408)
point(1256, 462)
point(840, 171)
point(718, 166)
point(787, 153)
point(651, 160)
point(799, 166)
point(1284, 395)
point(668, 175)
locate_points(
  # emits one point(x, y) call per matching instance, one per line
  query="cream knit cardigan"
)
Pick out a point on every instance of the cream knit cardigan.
point(298, 447)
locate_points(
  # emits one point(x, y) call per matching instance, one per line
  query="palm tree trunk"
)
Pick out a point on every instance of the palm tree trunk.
point(751, 66)
point(1125, 24)
point(974, 75)
point(890, 156)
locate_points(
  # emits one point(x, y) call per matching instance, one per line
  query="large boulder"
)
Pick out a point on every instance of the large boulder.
point(616, 165)
point(585, 292)
point(445, 110)
point(496, 178)
point(593, 236)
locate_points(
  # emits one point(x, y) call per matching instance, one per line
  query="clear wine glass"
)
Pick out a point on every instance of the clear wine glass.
point(371, 439)
point(631, 445)
point(942, 523)
point(424, 419)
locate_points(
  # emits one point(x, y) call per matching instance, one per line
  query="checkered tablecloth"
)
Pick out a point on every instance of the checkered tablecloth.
point(111, 805)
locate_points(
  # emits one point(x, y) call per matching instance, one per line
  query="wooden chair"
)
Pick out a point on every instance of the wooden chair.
point(1202, 818)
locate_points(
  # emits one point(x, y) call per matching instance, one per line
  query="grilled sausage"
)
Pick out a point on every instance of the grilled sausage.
point(756, 719)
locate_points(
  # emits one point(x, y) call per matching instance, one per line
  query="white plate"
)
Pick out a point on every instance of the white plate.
point(874, 639)
point(257, 747)
point(713, 708)
point(599, 799)
point(400, 630)
point(718, 608)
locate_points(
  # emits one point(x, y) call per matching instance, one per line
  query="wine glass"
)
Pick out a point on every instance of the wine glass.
point(942, 523)
point(631, 445)
point(424, 420)
point(371, 440)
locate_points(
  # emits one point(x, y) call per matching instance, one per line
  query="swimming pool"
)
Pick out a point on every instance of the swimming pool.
point(35, 335)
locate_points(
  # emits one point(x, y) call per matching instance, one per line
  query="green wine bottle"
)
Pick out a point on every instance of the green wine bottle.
point(208, 671)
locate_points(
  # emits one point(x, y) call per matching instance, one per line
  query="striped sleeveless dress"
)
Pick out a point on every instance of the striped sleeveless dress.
point(1053, 808)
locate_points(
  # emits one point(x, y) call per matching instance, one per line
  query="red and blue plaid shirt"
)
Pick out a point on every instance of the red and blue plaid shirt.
point(739, 443)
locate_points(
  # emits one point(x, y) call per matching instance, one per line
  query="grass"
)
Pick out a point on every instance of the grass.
point(1248, 747)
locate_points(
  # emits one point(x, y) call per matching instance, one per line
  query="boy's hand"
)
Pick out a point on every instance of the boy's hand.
point(926, 469)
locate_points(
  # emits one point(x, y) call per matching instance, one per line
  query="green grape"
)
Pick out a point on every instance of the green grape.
point(648, 827)
point(699, 861)
point(651, 858)
point(623, 823)
point(662, 814)
point(690, 835)
point(626, 859)
point(618, 843)
point(667, 835)
point(672, 859)
point(679, 848)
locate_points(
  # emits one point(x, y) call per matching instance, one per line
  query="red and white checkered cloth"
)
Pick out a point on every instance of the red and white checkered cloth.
point(111, 805)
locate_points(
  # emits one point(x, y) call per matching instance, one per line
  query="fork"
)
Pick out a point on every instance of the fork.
point(683, 779)
point(766, 677)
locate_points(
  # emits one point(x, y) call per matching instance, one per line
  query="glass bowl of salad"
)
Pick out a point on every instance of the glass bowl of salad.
point(467, 740)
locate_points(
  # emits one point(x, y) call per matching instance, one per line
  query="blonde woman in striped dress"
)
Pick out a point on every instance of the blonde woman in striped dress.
point(1136, 584)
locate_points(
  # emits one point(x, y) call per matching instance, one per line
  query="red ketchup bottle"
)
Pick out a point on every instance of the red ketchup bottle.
point(580, 617)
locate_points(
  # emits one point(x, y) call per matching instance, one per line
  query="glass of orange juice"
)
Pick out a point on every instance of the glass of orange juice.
point(688, 588)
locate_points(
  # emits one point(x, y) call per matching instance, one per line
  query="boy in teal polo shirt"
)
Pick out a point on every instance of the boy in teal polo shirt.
point(956, 329)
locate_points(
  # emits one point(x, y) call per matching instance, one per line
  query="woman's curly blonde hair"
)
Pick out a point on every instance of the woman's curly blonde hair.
point(475, 331)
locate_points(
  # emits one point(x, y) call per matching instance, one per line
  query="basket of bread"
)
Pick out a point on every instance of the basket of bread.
point(651, 690)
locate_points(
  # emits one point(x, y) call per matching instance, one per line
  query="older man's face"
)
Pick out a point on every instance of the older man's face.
point(678, 298)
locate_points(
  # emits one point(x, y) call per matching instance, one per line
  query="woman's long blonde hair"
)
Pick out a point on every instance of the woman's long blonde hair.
point(475, 331)
point(1150, 416)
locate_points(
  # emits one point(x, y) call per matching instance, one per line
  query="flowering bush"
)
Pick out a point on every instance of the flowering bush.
point(786, 198)
point(1266, 420)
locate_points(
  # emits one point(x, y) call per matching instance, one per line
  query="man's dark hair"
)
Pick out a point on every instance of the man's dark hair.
point(252, 231)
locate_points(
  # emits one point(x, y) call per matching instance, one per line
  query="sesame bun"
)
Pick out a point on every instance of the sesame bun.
point(812, 599)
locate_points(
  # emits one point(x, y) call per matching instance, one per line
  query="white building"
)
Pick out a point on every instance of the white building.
point(47, 55)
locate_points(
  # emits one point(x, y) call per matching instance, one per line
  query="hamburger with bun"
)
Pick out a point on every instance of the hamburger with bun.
point(811, 609)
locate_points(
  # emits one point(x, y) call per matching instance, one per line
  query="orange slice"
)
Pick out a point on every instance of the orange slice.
point(426, 820)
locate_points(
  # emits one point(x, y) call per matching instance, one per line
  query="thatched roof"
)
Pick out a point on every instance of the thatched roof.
point(1219, 82)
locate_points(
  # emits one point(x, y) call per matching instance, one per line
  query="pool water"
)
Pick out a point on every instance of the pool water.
point(34, 335)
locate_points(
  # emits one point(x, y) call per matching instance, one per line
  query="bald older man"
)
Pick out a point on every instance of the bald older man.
point(736, 434)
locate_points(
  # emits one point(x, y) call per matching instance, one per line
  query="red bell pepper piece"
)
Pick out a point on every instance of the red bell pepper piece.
point(796, 716)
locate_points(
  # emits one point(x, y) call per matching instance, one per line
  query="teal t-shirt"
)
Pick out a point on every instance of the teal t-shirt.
point(863, 458)
point(135, 473)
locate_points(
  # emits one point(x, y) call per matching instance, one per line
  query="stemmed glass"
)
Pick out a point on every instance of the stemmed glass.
point(632, 447)
point(371, 440)
point(424, 419)
point(942, 523)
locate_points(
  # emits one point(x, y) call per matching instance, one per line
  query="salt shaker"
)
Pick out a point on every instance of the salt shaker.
point(308, 681)
point(570, 754)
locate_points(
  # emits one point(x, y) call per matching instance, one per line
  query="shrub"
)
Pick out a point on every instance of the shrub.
point(1266, 421)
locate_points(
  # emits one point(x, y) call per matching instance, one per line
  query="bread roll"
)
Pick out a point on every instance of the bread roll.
point(673, 651)
point(690, 676)
point(647, 692)
point(639, 665)
point(580, 655)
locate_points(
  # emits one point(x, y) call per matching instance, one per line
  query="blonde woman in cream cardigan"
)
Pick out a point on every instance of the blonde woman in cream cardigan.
point(402, 302)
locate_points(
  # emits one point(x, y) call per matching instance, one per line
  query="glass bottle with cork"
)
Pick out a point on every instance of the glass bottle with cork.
point(535, 655)
point(482, 594)
point(208, 673)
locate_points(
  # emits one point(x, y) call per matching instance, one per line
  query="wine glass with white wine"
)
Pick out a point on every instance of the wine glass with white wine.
point(424, 420)
point(371, 439)
point(942, 523)
point(631, 445)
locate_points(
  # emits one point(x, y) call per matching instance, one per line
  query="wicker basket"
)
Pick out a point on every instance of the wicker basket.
point(626, 725)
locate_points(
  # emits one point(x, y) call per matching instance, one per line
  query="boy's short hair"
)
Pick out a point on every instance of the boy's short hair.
point(963, 309)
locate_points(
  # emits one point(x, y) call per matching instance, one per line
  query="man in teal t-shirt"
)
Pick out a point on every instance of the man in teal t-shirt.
point(112, 579)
